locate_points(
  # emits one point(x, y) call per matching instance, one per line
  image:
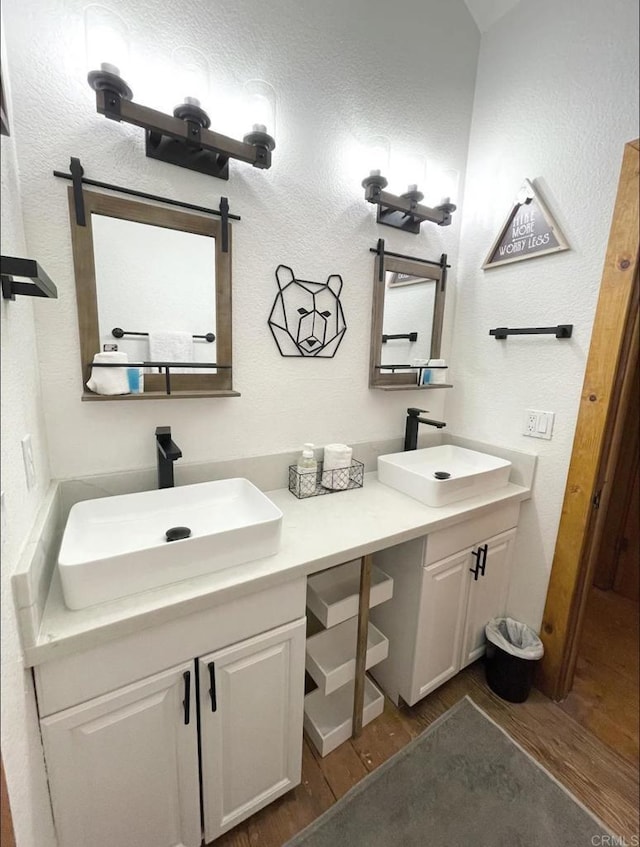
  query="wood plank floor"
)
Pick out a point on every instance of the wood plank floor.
point(606, 782)
point(604, 697)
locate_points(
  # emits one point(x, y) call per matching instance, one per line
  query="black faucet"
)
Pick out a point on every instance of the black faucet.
point(168, 452)
point(411, 429)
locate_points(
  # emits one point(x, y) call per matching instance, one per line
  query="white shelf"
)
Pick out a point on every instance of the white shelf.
point(331, 654)
point(328, 720)
point(333, 595)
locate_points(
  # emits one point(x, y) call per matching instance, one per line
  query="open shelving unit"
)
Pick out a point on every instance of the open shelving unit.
point(335, 598)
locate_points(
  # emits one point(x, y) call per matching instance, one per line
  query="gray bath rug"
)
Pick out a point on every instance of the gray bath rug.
point(462, 783)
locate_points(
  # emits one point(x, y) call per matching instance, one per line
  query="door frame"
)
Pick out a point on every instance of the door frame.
point(606, 389)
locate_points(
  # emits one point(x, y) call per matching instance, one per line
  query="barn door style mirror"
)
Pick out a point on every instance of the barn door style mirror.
point(406, 323)
point(153, 279)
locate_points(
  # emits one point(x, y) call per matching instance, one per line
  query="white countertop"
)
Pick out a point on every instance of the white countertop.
point(317, 533)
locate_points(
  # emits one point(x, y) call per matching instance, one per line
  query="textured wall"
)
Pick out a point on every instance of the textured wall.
point(556, 100)
point(307, 211)
point(21, 414)
point(334, 91)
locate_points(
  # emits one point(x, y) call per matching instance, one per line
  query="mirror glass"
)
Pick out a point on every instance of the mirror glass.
point(409, 303)
point(142, 286)
point(406, 326)
point(147, 269)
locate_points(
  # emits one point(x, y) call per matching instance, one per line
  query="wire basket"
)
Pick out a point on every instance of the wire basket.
point(313, 483)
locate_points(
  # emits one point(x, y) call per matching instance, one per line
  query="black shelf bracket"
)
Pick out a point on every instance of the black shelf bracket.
point(560, 331)
point(39, 285)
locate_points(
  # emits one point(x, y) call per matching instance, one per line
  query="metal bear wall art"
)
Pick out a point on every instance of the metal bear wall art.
point(307, 317)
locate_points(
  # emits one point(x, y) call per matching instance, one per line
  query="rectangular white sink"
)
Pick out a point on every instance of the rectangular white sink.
point(466, 473)
point(116, 546)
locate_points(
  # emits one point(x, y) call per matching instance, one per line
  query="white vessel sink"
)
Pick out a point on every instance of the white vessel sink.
point(116, 546)
point(470, 473)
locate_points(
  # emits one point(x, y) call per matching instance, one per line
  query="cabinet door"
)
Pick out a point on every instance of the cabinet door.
point(251, 709)
point(440, 622)
point(487, 594)
point(123, 768)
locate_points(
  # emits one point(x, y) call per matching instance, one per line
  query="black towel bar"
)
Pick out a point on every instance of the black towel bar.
point(119, 333)
point(560, 331)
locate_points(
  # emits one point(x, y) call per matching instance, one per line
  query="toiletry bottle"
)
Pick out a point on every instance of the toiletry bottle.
point(307, 470)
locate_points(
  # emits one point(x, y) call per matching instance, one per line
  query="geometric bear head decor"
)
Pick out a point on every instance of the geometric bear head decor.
point(307, 317)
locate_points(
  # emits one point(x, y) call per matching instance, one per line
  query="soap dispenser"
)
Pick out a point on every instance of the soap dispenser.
point(307, 471)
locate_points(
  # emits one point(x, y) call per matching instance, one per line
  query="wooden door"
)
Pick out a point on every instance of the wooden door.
point(251, 710)
point(487, 594)
point(626, 580)
point(123, 768)
point(440, 623)
point(616, 558)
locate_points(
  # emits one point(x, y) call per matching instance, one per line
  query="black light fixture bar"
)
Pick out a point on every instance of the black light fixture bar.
point(405, 211)
point(410, 336)
point(39, 286)
point(117, 332)
point(560, 331)
point(185, 141)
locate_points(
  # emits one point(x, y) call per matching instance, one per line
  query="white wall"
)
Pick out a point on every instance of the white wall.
point(556, 100)
point(335, 89)
point(21, 415)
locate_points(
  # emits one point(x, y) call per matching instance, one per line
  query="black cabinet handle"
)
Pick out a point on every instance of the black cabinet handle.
point(482, 565)
point(212, 685)
point(477, 554)
point(186, 703)
point(480, 556)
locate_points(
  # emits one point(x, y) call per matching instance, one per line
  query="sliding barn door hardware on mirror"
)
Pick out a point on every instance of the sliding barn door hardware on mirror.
point(560, 331)
point(76, 176)
point(381, 253)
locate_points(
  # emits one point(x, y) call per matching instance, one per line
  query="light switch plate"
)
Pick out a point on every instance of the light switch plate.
point(538, 424)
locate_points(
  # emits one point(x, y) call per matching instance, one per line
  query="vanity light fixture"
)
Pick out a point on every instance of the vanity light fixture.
point(184, 138)
point(404, 211)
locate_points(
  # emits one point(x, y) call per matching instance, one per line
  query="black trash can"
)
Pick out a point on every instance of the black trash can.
point(513, 651)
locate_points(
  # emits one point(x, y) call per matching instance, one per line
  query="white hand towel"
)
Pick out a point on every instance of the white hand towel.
point(109, 380)
point(336, 458)
point(171, 347)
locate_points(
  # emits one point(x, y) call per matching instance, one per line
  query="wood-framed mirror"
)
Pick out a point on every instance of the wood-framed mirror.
point(152, 271)
point(406, 321)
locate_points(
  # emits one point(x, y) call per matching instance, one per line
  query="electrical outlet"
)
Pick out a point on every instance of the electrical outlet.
point(538, 424)
point(29, 464)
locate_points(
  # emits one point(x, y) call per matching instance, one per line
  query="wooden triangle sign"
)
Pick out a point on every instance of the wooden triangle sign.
point(529, 231)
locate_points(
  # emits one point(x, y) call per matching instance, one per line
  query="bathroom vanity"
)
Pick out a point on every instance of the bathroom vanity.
point(170, 716)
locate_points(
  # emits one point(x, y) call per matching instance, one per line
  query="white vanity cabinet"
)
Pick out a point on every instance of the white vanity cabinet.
point(251, 725)
point(131, 749)
point(123, 768)
point(436, 618)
